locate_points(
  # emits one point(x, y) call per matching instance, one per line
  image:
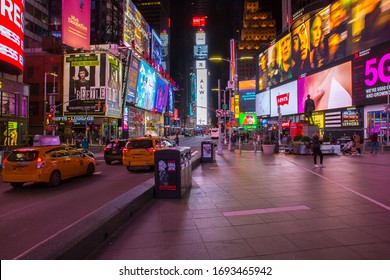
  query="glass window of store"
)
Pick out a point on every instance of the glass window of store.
point(377, 122)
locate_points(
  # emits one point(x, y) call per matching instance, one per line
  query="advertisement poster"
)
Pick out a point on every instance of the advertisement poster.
point(76, 22)
point(201, 96)
point(285, 98)
point(146, 87)
point(114, 90)
point(330, 89)
point(85, 83)
point(167, 175)
point(156, 49)
point(206, 153)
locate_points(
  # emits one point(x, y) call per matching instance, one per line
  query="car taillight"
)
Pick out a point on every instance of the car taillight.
point(151, 150)
point(105, 149)
point(125, 150)
point(3, 163)
point(40, 162)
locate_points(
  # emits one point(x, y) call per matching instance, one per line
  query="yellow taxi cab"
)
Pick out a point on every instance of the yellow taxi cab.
point(45, 164)
point(139, 152)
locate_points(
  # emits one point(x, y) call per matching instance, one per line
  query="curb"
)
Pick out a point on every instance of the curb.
point(81, 238)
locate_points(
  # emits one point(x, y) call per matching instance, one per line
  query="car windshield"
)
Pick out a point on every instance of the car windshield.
point(23, 156)
point(140, 144)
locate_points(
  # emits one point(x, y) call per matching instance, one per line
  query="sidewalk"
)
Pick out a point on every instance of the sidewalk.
point(252, 206)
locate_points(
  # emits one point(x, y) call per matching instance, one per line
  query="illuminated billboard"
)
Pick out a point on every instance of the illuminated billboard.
point(201, 52)
point(330, 89)
point(263, 103)
point(170, 101)
point(371, 75)
point(146, 87)
point(12, 36)
point(248, 120)
point(76, 23)
point(136, 29)
point(324, 36)
point(156, 49)
point(132, 80)
point(92, 83)
point(162, 92)
point(200, 38)
point(201, 96)
point(247, 96)
point(199, 21)
point(285, 97)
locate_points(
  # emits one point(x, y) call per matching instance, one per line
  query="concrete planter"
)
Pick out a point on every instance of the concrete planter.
point(268, 149)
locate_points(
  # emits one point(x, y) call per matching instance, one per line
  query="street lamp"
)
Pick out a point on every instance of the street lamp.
point(44, 97)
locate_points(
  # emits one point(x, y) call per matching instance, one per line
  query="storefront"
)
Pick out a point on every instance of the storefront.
point(14, 98)
point(376, 120)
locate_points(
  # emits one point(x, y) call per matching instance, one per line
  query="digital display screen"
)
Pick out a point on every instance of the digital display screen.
point(371, 75)
point(263, 103)
point(247, 103)
point(248, 120)
point(330, 89)
point(76, 23)
point(162, 92)
point(12, 36)
point(132, 80)
point(146, 87)
point(284, 98)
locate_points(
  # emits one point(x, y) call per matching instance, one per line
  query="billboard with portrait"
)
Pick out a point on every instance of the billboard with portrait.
point(331, 88)
point(136, 29)
point(324, 36)
point(247, 96)
point(162, 92)
point(248, 120)
point(262, 81)
point(114, 88)
point(76, 23)
point(85, 83)
point(263, 103)
point(285, 97)
point(12, 37)
point(146, 87)
point(371, 75)
point(201, 52)
point(170, 101)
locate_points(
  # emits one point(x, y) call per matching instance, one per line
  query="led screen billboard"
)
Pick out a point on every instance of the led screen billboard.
point(323, 37)
point(170, 101)
point(132, 80)
point(76, 23)
point(330, 88)
point(156, 49)
point(136, 29)
point(248, 120)
point(247, 96)
point(11, 36)
point(201, 96)
point(146, 87)
point(263, 103)
point(285, 97)
point(201, 52)
point(371, 75)
point(162, 92)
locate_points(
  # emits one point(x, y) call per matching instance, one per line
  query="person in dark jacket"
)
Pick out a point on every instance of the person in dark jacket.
point(316, 149)
point(309, 108)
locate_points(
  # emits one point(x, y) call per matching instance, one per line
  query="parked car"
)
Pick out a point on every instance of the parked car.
point(139, 152)
point(47, 164)
point(113, 150)
point(214, 134)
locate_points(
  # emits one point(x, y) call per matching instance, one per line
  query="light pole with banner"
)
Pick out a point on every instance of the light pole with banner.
point(219, 150)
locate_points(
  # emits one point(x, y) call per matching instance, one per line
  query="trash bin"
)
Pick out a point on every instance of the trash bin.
point(172, 172)
point(208, 151)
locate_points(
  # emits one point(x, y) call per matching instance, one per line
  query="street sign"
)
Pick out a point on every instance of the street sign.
point(52, 108)
point(230, 85)
point(224, 106)
point(219, 113)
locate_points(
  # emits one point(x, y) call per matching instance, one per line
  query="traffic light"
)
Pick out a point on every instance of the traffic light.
point(98, 105)
point(49, 118)
point(194, 109)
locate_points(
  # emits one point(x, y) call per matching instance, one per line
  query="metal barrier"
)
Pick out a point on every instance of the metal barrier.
point(172, 172)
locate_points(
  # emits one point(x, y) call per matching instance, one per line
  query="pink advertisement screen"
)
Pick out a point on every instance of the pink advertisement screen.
point(76, 21)
point(330, 89)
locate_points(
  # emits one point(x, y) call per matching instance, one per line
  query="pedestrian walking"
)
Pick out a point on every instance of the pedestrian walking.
point(85, 144)
point(374, 142)
point(233, 140)
point(177, 139)
point(316, 149)
point(356, 140)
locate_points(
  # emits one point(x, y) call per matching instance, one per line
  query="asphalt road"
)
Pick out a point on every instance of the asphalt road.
point(33, 213)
